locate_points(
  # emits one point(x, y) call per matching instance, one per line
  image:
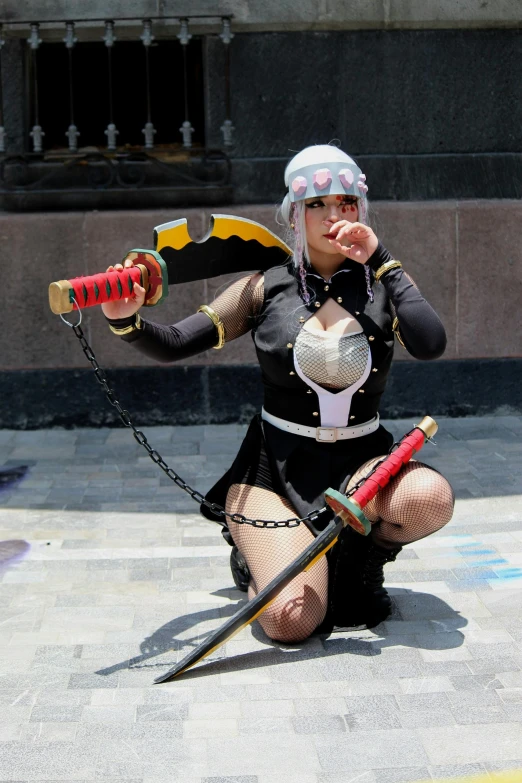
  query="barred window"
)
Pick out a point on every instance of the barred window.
point(92, 99)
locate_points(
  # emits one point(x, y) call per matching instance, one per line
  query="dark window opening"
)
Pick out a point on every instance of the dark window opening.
point(91, 93)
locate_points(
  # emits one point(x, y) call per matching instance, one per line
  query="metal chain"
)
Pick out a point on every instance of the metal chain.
point(156, 457)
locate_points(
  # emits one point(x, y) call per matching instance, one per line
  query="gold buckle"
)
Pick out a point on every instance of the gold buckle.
point(326, 429)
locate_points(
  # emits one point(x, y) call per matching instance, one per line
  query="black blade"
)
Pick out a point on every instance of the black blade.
point(218, 256)
point(250, 611)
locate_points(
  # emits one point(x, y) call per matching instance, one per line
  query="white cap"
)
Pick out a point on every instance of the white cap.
point(323, 170)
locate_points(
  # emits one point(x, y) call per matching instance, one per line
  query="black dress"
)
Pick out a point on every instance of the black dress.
point(298, 467)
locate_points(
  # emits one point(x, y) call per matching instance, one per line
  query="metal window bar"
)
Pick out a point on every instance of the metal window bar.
point(2, 129)
point(72, 132)
point(36, 133)
point(111, 131)
point(186, 129)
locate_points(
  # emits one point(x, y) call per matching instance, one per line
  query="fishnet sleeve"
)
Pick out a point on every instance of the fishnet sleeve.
point(239, 305)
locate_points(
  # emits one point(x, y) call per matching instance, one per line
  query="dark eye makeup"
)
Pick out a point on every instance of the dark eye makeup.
point(347, 201)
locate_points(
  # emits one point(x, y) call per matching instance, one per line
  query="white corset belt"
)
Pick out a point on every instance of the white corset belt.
point(322, 434)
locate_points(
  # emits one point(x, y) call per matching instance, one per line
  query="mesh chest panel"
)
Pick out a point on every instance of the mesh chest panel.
point(335, 362)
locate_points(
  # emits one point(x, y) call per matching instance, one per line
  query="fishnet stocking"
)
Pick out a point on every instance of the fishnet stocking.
point(301, 606)
point(239, 305)
point(417, 502)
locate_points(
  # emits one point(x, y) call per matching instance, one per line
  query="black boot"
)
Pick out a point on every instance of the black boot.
point(356, 592)
point(239, 568)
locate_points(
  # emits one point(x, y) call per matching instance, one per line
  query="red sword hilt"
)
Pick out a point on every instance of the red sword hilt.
point(149, 271)
point(350, 509)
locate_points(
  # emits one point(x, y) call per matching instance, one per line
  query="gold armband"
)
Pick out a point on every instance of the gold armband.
point(397, 331)
point(218, 323)
point(386, 268)
point(127, 329)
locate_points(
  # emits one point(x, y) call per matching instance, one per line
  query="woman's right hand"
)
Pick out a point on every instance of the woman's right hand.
point(123, 308)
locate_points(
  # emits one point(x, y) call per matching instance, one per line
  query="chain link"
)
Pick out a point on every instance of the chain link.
point(156, 457)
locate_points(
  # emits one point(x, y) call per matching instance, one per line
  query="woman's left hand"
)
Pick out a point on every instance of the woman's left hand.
point(354, 240)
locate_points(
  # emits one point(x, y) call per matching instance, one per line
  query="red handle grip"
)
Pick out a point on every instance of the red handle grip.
point(390, 467)
point(104, 287)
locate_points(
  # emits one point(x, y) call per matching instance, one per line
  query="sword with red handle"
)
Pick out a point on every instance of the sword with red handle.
point(348, 511)
point(232, 244)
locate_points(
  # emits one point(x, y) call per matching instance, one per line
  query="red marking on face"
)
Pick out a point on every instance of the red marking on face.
point(352, 208)
point(343, 210)
point(339, 198)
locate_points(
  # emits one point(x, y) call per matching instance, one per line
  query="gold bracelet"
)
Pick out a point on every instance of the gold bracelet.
point(127, 329)
point(218, 323)
point(386, 268)
point(397, 331)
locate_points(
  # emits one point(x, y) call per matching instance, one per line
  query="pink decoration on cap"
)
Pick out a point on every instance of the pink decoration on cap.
point(363, 177)
point(346, 178)
point(322, 178)
point(299, 186)
point(362, 187)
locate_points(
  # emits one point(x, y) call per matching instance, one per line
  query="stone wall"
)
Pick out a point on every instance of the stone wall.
point(466, 258)
point(252, 15)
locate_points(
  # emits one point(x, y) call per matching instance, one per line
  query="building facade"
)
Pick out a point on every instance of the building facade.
point(120, 118)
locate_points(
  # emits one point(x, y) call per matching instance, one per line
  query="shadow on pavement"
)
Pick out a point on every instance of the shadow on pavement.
point(408, 605)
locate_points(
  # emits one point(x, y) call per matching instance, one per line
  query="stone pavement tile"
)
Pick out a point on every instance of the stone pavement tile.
point(443, 772)
point(162, 712)
point(472, 744)
point(56, 714)
point(436, 668)
point(415, 718)
point(11, 732)
point(476, 699)
point(330, 706)
point(277, 708)
point(49, 732)
point(210, 727)
point(413, 774)
point(425, 684)
point(218, 709)
point(373, 720)
point(497, 666)
point(29, 760)
point(347, 777)
point(476, 682)
point(92, 681)
point(245, 755)
point(322, 724)
point(468, 715)
point(511, 695)
point(366, 750)
point(309, 777)
point(234, 779)
point(267, 725)
point(152, 757)
point(56, 697)
point(109, 714)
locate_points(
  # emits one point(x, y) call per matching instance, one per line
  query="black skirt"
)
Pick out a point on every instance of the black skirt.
point(297, 467)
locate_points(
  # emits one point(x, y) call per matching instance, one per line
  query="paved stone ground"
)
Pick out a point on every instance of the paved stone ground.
point(123, 577)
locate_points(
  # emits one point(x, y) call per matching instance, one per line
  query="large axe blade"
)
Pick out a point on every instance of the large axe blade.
point(232, 244)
